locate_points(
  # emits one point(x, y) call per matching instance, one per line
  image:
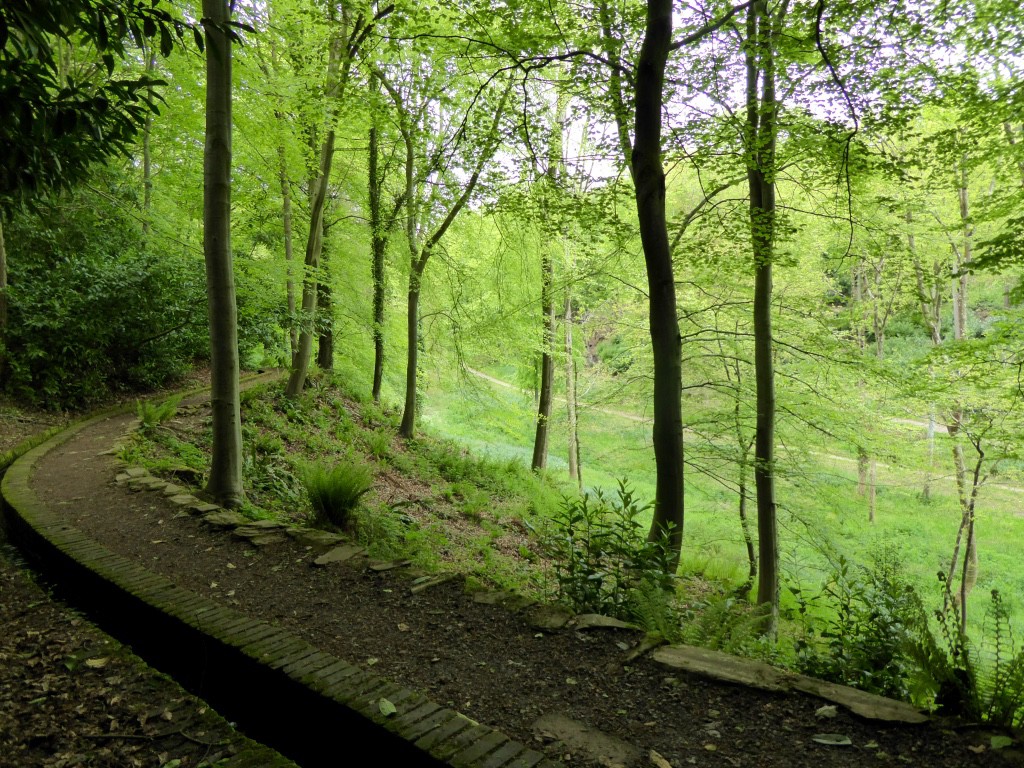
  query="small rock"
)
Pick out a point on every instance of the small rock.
point(202, 508)
point(339, 554)
point(223, 518)
point(597, 621)
point(136, 472)
point(387, 565)
point(320, 541)
point(548, 616)
point(122, 477)
point(264, 539)
point(174, 490)
point(184, 500)
point(432, 581)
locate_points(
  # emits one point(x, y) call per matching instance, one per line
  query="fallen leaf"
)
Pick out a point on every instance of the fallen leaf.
point(167, 715)
point(403, 627)
point(826, 712)
point(832, 739)
point(711, 747)
point(98, 663)
point(1001, 742)
point(387, 708)
point(371, 661)
point(658, 761)
point(977, 748)
point(232, 565)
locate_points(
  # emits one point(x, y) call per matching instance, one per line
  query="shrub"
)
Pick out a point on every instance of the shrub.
point(601, 554)
point(860, 626)
point(334, 493)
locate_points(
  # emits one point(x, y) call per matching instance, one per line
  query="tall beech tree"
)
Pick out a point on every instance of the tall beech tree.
point(348, 35)
point(436, 132)
point(225, 481)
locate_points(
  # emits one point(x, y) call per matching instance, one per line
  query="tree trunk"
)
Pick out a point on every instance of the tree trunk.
point(325, 318)
point(289, 251)
point(408, 427)
point(3, 303)
point(761, 139)
point(378, 247)
point(649, 182)
point(872, 485)
point(547, 362)
point(570, 396)
point(147, 158)
point(314, 247)
point(225, 483)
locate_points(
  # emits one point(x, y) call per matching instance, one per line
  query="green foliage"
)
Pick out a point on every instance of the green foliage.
point(724, 623)
point(978, 681)
point(91, 311)
point(54, 123)
point(859, 626)
point(335, 492)
point(601, 554)
point(653, 609)
point(152, 414)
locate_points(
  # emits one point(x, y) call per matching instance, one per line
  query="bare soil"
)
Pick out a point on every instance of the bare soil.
point(482, 659)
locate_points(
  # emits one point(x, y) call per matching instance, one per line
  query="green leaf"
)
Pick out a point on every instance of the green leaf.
point(387, 708)
point(1001, 742)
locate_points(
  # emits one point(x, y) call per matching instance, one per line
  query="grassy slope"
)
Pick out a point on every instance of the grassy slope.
point(819, 504)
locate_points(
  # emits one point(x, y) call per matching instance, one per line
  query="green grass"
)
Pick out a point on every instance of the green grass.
point(820, 510)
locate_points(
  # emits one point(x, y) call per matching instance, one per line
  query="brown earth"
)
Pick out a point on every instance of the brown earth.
point(72, 696)
point(565, 691)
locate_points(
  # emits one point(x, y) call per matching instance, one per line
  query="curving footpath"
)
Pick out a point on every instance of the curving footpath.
point(310, 705)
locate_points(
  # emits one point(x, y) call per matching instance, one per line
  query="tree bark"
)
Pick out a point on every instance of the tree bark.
point(649, 183)
point(408, 426)
point(325, 316)
point(311, 279)
point(761, 138)
point(289, 250)
point(3, 303)
point(547, 361)
point(378, 247)
point(147, 157)
point(570, 396)
point(225, 482)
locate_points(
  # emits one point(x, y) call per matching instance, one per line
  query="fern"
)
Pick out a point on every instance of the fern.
point(651, 608)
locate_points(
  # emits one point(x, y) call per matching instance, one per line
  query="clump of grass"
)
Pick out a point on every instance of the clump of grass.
point(152, 415)
point(334, 492)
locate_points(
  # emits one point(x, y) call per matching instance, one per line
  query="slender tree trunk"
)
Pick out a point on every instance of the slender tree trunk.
point(3, 303)
point(570, 396)
point(314, 247)
point(378, 247)
point(408, 427)
point(649, 182)
point(225, 482)
point(761, 133)
point(289, 250)
point(547, 362)
point(147, 158)
point(325, 317)
point(872, 476)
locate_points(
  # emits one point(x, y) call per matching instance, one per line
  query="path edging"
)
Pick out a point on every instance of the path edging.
point(224, 643)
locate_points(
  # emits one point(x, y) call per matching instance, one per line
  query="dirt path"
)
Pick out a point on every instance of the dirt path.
point(72, 696)
point(480, 658)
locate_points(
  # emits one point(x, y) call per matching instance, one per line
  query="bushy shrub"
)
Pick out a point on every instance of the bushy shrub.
point(335, 492)
point(860, 627)
point(601, 554)
point(91, 310)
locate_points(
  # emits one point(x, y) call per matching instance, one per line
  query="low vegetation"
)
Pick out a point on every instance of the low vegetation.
point(329, 459)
